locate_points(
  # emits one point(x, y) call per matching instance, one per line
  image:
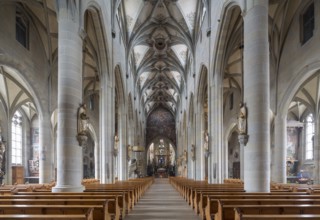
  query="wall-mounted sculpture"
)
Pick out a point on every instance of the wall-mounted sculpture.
point(193, 152)
point(2, 157)
point(206, 144)
point(116, 146)
point(82, 126)
point(129, 152)
point(242, 119)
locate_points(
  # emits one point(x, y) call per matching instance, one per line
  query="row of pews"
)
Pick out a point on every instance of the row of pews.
point(229, 201)
point(97, 202)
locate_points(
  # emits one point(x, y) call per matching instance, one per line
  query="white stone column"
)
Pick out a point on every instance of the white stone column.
point(69, 153)
point(279, 170)
point(257, 97)
point(210, 130)
point(107, 131)
point(46, 160)
point(243, 140)
point(97, 167)
point(216, 137)
point(316, 150)
point(178, 148)
point(123, 160)
point(190, 142)
point(199, 155)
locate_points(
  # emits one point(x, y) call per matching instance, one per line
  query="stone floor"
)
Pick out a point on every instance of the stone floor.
point(162, 201)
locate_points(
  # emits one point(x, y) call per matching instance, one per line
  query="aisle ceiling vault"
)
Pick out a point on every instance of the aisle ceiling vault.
point(14, 93)
point(160, 36)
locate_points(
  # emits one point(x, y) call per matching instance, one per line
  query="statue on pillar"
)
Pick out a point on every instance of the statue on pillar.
point(129, 152)
point(82, 126)
point(242, 119)
point(2, 158)
point(193, 152)
point(185, 156)
point(206, 141)
point(116, 145)
point(206, 144)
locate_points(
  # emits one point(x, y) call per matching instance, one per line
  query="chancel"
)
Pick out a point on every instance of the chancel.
point(204, 107)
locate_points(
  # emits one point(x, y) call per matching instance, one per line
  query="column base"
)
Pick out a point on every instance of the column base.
point(68, 188)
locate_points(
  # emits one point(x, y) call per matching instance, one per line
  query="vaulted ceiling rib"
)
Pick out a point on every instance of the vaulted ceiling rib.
point(161, 36)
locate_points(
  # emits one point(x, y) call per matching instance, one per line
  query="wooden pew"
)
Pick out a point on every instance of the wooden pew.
point(314, 191)
point(241, 216)
point(188, 189)
point(119, 196)
point(200, 199)
point(6, 190)
point(194, 192)
point(86, 216)
point(210, 205)
point(134, 187)
point(129, 195)
point(47, 217)
point(113, 211)
point(226, 212)
point(130, 191)
point(92, 211)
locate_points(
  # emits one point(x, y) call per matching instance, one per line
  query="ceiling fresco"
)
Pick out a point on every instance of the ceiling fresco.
point(161, 123)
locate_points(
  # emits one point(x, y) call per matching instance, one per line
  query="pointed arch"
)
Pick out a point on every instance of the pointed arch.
point(303, 75)
point(222, 38)
point(97, 14)
point(202, 84)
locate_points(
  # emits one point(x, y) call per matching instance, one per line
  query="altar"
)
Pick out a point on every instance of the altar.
point(162, 172)
point(161, 159)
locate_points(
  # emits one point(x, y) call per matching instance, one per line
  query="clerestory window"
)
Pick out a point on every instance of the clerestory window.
point(307, 24)
point(22, 30)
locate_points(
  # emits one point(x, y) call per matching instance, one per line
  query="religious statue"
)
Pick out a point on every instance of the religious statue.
point(129, 152)
point(193, 152)
point(82, 126)
point(2, 159)
point(82, 119)
point(185, 155)
point(206, 141)
point(242, 119)
point(171, 156)
point(116, 145)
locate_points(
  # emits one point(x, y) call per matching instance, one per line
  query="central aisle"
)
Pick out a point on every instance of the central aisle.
point(162, 202)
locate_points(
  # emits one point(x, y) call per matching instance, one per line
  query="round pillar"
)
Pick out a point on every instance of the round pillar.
point(257, 97)
point(46, 174)
point(69, 153)
point(279, 152)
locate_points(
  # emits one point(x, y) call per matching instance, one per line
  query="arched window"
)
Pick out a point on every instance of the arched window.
point(309, 137)
point(16, 138)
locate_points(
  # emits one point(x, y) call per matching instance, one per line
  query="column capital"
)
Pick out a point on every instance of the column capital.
point(68, 9)
point(249, 4)
point(243, 139)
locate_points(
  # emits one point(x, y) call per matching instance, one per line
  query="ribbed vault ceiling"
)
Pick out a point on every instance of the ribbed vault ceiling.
point(160, 36)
